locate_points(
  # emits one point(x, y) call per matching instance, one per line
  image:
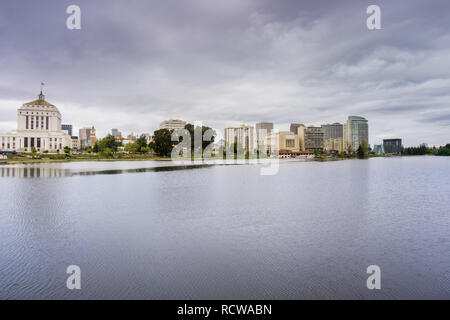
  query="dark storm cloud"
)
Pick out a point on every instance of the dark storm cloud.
point(136, 63)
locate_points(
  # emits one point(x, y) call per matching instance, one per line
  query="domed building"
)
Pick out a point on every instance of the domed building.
point(38, 126)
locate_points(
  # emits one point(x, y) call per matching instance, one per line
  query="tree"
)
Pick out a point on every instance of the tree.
point(349, 149)
point(362, 149)
point(108, 142)
point(162, 142)
point(189, 127)
point(33, 150)
point(444, 151)
point(141, 143)
point(132, 147)
point(107, 152)
point(145, 149)
point(66, 150)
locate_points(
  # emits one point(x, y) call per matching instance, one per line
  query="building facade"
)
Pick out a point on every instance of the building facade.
point(311, 139)
point(378, 149)
point(284, 141)
point(84, 135)
point(333, 137)
point(68, 128)
point(243, 136)
point(116, 133)
point(393, 146)
point(172, 124)
point(356, 130)
point(262, 130)
point(294, 127)
point(38, 128)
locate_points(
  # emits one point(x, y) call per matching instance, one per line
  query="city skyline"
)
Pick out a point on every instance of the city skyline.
point(232, 63)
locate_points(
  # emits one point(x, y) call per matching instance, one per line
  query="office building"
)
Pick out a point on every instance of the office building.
point(243, 136)
point(356, 130)
point(262, 130)
point(311, 138)
point(172, 124)
point(333, 137)
point(67, 128)
point(392, 146)
point(294, 127)
point(116, 133)
point(84, 136)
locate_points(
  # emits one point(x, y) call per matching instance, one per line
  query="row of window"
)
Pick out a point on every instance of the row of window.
point(8, 138)
point(35, 120)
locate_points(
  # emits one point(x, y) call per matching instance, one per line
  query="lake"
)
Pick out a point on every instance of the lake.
point(149, 230)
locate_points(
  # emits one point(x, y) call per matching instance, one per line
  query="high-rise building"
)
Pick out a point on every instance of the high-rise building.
point(356, 130)
point(311, 138)
point(84, 136)
point(68, 128)
point(262, 130)
point(294, 127)
point(333, 137)
point(393, 146)
point(116, 133)
point(333, 131)
point(172, 124)
point(244, 137)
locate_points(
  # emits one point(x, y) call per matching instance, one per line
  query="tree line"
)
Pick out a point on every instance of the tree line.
point(161, 143)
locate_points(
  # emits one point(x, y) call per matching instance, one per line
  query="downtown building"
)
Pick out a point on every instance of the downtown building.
point(311, 138)
point(262, 130)
point(333, 137)
point(38, 127)
point(243, 136)
point(172, 124)
point(87, 137)
point(392, 146)
point(356, 130)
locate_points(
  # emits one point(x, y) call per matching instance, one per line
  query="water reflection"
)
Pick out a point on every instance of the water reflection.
point(56, 172)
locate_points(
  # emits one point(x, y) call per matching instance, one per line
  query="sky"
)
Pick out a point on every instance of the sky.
point(136, 63)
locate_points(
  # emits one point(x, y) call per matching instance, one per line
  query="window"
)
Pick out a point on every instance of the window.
point(25, 142)
point(26, 122)
point(290, 143)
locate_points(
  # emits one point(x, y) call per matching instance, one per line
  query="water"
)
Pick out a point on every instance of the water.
point(226, 232)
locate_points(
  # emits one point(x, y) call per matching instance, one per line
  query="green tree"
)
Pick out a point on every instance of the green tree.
point(66, 150)
point(142, 144)
point(107, 152)
point(145, 149)
point(190, 127)
point(132, 147)
point(162, 142)
point(107, 142)
point(362, 150)
point(444, 151)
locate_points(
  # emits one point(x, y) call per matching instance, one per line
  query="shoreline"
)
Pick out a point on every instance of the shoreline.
point(156, 158)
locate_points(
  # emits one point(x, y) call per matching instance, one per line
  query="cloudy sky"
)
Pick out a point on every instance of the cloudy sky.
point(136, 63)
